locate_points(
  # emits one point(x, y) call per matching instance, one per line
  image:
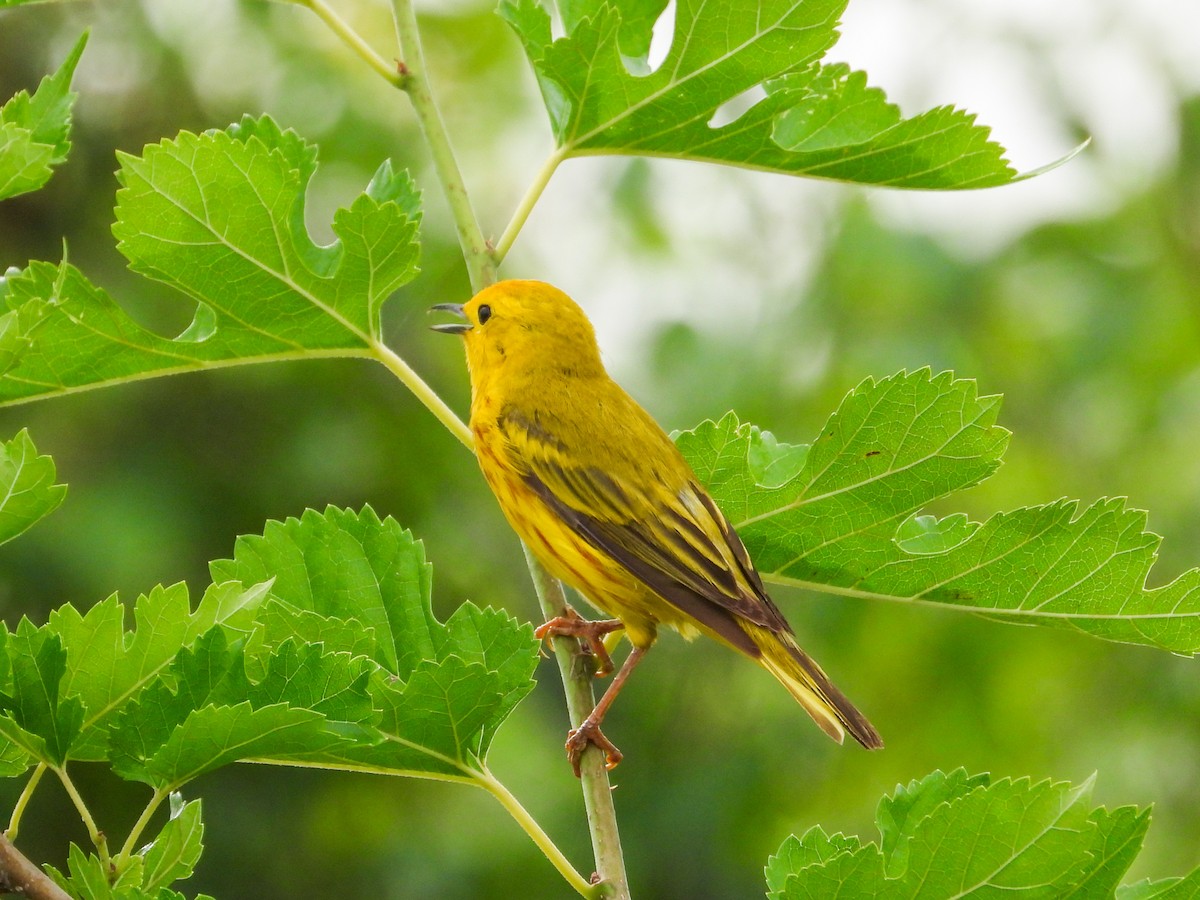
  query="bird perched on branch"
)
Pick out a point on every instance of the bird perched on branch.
point(606, 502)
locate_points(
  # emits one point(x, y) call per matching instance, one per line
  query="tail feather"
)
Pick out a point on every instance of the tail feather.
point(805, 680)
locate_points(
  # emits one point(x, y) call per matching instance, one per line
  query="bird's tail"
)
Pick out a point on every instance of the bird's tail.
point(804, 679)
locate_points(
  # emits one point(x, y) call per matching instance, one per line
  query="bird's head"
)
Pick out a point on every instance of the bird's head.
point(525, 326)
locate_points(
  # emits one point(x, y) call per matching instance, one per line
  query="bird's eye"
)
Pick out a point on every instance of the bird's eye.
point(484, 313)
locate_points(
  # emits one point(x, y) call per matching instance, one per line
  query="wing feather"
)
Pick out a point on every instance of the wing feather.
point(677, 542)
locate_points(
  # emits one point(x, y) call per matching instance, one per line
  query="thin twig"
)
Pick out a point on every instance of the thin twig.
point(416, 84)
point(353, 40)
point(20, 876)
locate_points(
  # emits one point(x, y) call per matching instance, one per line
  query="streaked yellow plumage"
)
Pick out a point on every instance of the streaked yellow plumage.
point(604, 499)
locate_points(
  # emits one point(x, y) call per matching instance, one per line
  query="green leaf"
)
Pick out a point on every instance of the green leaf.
point(88, 880)
point(220, 217)
point(817, 120)
point(14, 760)
point(206, 713)
point(214, 736)
point(343, 565)
point(206, 674)
point(35, 130)
point(898, 814)
point(1121, 833)
point(175, 852)
point(304, 675)
point(37, 717)
point(957, 835)
point(797, 853)
point(27, 489)
point(107, 665)
point(846, 522)
point(441, 720)
point(442, 689)
point(279, 622)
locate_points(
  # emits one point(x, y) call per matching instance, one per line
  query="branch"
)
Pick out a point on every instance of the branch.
point(127, 849)
point(20, 876)
point(481, 262)
point(597, 791)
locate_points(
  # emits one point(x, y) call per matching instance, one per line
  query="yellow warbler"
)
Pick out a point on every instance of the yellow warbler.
point(603, 498)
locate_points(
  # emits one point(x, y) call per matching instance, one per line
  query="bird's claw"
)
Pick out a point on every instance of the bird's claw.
point(591, 634)
point(589, 733)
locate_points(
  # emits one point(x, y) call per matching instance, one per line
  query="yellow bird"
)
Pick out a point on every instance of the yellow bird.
point(608, 504)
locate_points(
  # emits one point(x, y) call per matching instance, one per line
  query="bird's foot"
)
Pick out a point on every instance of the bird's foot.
point(591, 634)
point(589, 733)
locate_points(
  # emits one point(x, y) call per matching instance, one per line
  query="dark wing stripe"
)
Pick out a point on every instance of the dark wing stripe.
point(715, 614)
point(777, 622)
point(713, 571)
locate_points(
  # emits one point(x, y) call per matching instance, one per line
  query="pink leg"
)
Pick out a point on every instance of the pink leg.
point(589, 731)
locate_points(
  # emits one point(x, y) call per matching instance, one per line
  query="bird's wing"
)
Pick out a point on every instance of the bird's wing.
point(676, 541)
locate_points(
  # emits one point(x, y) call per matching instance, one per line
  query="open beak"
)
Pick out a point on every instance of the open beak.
point(451, 327)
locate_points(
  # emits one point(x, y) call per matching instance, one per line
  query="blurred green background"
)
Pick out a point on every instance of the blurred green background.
point(1077, 295)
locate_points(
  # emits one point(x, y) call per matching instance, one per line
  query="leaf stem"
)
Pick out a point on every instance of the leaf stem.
point(480, 266)
point(532, 195)
point(423, 392)
point(351, 38)
point(97, 836)
point(19, 810)
point(140, 826)
point(514, 808)
point(593, 776)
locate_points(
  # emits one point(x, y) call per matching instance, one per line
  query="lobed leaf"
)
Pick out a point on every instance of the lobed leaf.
point(37, 717)
point(107, 666)
point(27, 489)
point(35, 129)
point(846, 522)
point(363, 586)
point(342, 664)
point(957, 835)
point(220, 217)
point(821, 120)
point(205, 712)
